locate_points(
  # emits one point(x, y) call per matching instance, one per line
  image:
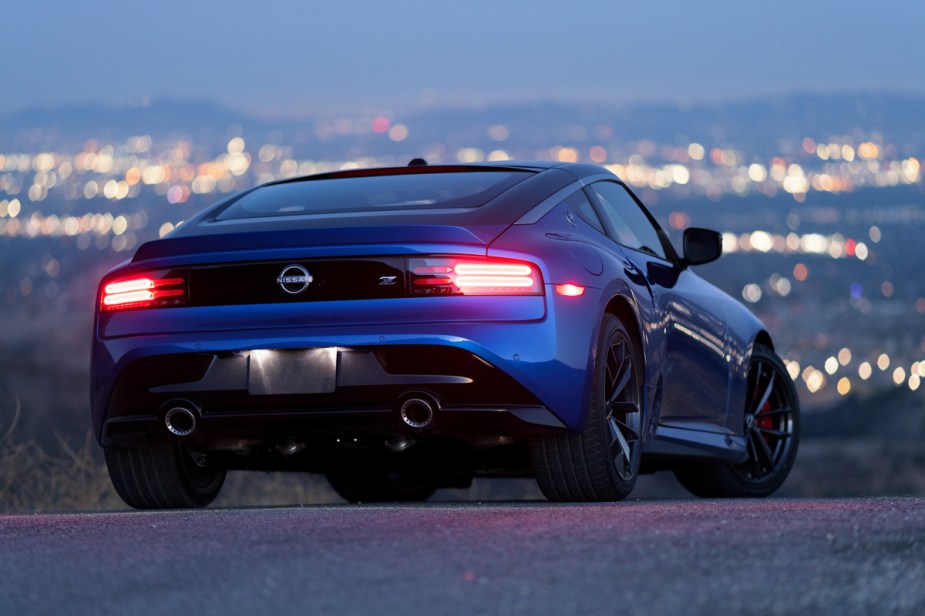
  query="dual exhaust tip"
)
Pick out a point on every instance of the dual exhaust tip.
point(181, 418)
point(417, 410)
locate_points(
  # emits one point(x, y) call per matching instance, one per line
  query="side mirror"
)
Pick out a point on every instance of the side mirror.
point(702, 246)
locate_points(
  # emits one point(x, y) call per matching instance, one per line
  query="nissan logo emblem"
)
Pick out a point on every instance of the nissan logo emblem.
point(294, 279)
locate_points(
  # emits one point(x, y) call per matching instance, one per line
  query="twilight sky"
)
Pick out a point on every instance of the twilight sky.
point(300, 57)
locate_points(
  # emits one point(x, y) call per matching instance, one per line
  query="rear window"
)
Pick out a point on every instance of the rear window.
point(380, 193)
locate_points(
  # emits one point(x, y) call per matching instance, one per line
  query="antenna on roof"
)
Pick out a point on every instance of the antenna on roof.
point(417, 162)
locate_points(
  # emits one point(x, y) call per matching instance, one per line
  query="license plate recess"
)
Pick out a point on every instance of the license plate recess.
point(286, 372)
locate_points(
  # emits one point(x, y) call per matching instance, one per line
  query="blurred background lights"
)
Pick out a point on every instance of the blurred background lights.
point(470, 155)
point(751, 293)
point(398, 133)
point(844, 356)
point(381, 124)
point(817, 237)
point(598, 154)
point(235, 145)
point(856, 290)
point(815, 381)
point(761, 241)
point(565, 155)
point(843, 386)
point(498, 132)
point(757, 172)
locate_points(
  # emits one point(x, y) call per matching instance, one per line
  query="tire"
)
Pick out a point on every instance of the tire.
point(164, 477)
point(601, 462)
point(772, 432)
point(369, 484)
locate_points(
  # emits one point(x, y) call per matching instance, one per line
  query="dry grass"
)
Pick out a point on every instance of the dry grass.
point(33, 479)
point(70, 479)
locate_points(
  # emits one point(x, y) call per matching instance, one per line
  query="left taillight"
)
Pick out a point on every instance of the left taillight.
point(148, 290)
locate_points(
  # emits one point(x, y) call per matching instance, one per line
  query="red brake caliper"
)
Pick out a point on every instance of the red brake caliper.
point(764, 421)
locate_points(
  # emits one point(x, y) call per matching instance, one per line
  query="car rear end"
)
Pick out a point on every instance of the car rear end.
point(267, 334)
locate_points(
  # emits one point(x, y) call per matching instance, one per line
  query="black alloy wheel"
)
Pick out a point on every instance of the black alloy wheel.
point(771, 430)
point(601, 462)
point(622, 407)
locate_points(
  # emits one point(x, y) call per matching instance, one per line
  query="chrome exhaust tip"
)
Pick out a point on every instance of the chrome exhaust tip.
point(418, 411)
point(180, 419)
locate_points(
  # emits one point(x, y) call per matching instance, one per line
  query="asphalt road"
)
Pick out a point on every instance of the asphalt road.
point(638, 557)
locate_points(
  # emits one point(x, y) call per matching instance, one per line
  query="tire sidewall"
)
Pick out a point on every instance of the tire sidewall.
point(596, 425)
point(771, 484)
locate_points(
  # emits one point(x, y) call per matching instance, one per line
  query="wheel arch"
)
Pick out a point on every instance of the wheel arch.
point(763, 338)
point(621, 308)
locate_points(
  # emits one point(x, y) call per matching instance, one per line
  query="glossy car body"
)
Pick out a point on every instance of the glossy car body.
point(290, 326)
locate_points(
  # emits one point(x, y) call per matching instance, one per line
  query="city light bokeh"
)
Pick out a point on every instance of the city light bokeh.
point(111, 197)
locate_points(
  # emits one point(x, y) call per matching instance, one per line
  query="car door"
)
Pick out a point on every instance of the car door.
point(695, 370)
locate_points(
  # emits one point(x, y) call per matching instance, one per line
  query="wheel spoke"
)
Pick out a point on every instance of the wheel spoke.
point(619, 447)
point(766, 394)
point(624, 428)
point(770, 432)
point(764, 450)
point(619, 370)
point(612, 364)
point(622, 408)
point(753, 457)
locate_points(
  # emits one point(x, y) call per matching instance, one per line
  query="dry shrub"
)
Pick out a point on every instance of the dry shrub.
point(33, 479)
point(71, 479)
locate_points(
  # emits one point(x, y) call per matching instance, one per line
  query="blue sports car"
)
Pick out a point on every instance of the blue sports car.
point(404, 329)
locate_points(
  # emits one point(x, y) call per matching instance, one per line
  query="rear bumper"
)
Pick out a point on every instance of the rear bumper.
point(333, 391)
point(525, 372)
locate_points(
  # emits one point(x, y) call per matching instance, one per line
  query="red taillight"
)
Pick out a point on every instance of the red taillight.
point(463, 276)
point(144, 292)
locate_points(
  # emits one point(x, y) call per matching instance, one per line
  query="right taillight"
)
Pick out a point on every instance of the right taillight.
point(468, 276)
point(149, 290)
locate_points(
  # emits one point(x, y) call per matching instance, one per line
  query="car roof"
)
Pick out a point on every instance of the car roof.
point(579, 170)
point(543, 178)
point(476, 224)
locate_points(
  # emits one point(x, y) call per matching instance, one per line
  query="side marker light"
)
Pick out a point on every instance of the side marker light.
point(570, 290)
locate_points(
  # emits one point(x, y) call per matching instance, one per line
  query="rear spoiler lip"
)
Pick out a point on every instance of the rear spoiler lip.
point(311, 238)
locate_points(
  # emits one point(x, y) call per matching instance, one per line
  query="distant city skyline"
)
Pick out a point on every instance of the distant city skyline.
point(291, 58)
